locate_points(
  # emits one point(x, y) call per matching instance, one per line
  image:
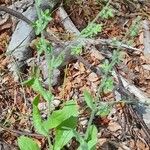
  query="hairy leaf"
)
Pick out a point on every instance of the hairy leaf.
point(62, 137)
point(58, 61)
point(58, 117)
point(103, 109)
point(91, 30)
point(92, 138)
point(37, 87)
point(26, 143)
point(89, 100)
point(37, 120)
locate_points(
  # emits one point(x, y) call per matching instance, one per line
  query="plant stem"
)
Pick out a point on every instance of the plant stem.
point(48, 61)
point(37, 7)
point(49, 142)
point(90, 123)
point(50, 71)
point(95, 19)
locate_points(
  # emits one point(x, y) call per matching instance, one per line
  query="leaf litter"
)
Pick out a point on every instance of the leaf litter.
point(17, 116)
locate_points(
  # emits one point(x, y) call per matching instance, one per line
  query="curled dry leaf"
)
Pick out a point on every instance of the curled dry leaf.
point(141, 145)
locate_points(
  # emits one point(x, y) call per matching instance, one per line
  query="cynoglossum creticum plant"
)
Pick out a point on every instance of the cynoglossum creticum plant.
point(98, 107)
point(134, 29)
point(94, 28)
point(107, 84)
point(57, 119)
point(62, 123)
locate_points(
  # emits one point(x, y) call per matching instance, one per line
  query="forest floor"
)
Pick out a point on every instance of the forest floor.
point(121, 129)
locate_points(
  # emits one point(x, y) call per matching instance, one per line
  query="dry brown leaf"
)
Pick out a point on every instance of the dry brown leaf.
point(146, 59)
point(114, 126)
point(141, 37)
point(4, 63)
point(76, 65)
point(141, 146)
point(101, 141)
point(4, 38)
point(92, 77)
point(82, 68)
point(147, 67)
point(5, 26)
point(97, 54)
point(12, 120)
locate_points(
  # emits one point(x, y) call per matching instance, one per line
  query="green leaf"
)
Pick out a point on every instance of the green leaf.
point(103, 109)
point(91, 30)
point(62, 137)
point(83, 146)
point(76, 50)
point(26, 143)
point(58, 61)
point(108, 85)
point(37, 87)
point(38, 2)
point(90, 143)
point(58, 117)
point(64, 132)
point(46, 16)
point(70, 123)
point(89, 100)
point(37, 120)
point(43, 45)
point(28, 82)
point(92, 137)
point(107, 12)
point(40, 24)
point(105, 66)
point(135, 27)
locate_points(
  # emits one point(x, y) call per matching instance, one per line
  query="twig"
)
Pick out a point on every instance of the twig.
point(20, 132)
point(15, 13)
point(133, 112)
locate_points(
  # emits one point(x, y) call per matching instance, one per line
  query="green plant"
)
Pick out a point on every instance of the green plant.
point(91, 30)
point(57, 119)
point(27, 143)
point(63, 122)
point(107, 12)
point(134, 29)
point(76, 50)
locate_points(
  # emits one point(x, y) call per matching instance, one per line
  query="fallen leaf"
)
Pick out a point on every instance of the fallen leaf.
point(97, 54)
point(147, 67)
point(114, 126)
point(92, 77)
point(141, 38)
